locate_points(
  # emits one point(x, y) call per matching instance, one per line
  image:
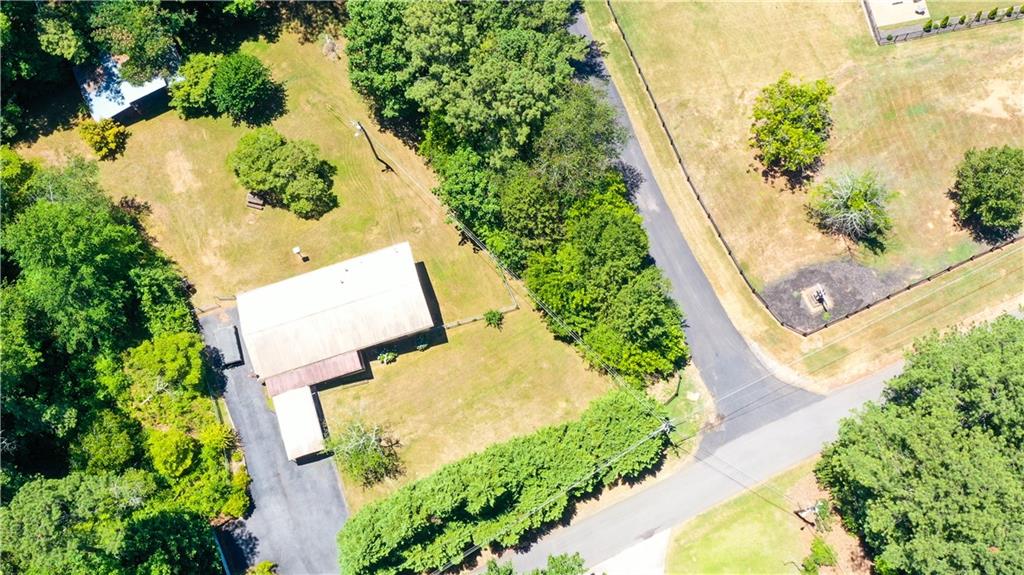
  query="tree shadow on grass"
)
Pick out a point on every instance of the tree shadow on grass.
point(56, 111)
point(973, 225)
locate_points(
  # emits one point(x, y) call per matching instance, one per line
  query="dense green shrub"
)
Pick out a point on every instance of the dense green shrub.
point(928, 25)
point(173, 452)
point(792, 122)
point(992, 13)
point(284, 173)
point(963, 19)
point(852, 205)
point(989, 191)
point(367, 453)
point(931, 479)
point(494, 318)
point(944, 23)
point(564, 564)
point(107, 138)
point(822, 553)
point(486, 496)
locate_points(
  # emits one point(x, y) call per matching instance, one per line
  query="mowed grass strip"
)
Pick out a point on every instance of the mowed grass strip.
point(481, 387)
point(199, 216)
point(907, 112)
point(842, 353)
point(752, 533)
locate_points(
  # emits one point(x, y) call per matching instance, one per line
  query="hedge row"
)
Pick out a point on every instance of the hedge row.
point(503, 493)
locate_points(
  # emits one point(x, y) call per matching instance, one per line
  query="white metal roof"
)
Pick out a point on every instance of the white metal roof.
point(347, 306)
point(300, 426)
point(106, 93)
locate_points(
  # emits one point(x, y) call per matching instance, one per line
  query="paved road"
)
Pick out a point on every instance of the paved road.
point(298, 509)
point(768, 425)
point(745, 392)
point(712, 478)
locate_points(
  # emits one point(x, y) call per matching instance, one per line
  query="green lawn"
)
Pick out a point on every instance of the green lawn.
point(199, 216)
point(481, 387)
point(745, 535)
point(907, 112)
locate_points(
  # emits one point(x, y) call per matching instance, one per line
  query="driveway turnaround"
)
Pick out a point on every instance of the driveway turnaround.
point(298, 509)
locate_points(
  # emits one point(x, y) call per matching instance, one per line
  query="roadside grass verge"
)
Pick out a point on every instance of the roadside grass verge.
point(757, 532)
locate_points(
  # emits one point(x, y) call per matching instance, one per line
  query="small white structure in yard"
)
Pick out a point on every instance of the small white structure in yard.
point(108, 95)
point(310, 328)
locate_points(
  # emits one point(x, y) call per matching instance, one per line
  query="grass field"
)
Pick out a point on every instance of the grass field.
point(850, 349)
point(199, 216)
point(481, 387)
point(757, 532)
point(907, 112)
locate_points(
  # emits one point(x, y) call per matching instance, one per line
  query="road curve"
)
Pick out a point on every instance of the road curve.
point(790, 423)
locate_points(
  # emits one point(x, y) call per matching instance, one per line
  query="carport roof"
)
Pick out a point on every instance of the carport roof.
point(335, 310)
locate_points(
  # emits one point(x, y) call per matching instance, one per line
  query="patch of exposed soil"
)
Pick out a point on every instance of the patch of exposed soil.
point(848, 287)
point(852, 559)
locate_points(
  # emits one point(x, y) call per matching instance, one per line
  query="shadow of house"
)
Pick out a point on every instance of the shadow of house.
point(108, 95)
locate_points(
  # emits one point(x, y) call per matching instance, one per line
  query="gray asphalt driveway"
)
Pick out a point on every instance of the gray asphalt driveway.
point(298, 509)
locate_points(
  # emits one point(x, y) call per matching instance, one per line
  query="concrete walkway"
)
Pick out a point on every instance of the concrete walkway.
point(298, 509)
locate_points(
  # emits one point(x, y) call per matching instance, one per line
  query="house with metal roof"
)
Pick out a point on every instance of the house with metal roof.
point(312, 328)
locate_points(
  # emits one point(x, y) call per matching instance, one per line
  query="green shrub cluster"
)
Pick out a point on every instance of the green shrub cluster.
point(503, 493)
point(103, 367)
point(107, 138)
point(933, 479)
point(283, 172)
point(238, 85)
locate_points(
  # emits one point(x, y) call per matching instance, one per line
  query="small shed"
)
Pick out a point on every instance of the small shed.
point(108, 95)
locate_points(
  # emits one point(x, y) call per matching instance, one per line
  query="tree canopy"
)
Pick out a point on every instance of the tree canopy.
point(933, 479)
point(283, 172)
point(989, 191)
point(112, 462)
point(791, 123)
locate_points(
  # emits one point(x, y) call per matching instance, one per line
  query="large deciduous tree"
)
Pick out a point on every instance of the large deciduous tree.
point(285, 172)
point(791, 123)
point(989, 191)
point(243, 89)
point(933, 479)
point(144, 32)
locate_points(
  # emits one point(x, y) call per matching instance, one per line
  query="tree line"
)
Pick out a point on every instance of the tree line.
point(114, 460)
point(526, 153)
point(933, 478)
point(505, 493)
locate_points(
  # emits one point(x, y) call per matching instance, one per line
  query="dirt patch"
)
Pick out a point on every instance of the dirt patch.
point(1005, 99)
point(852, 558)
point(847, 285)
point(179, 172)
